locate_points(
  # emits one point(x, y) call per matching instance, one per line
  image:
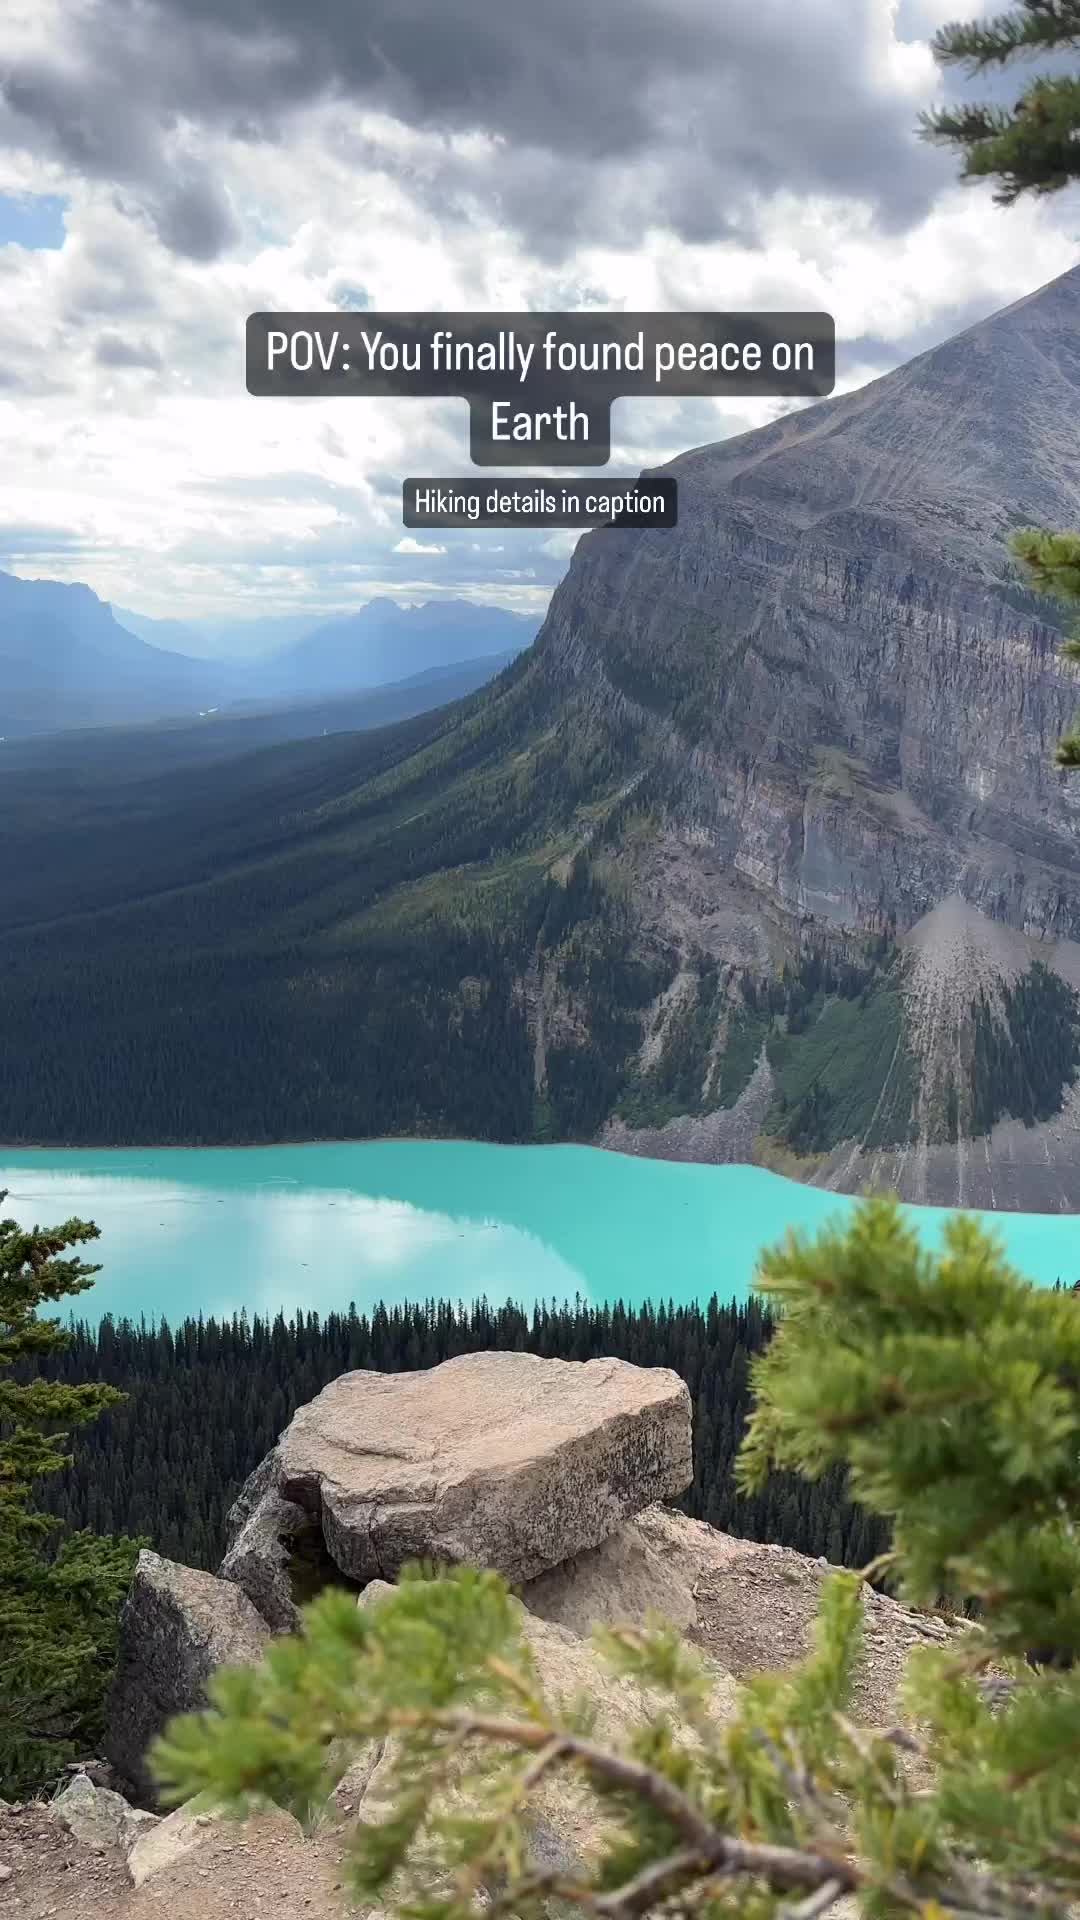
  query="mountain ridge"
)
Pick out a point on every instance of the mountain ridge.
point(666, 872)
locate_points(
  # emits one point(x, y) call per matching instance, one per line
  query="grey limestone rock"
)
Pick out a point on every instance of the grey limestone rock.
point(264, 1530)
point(176, 1626)
point(100, 1819)
point(502, 1460)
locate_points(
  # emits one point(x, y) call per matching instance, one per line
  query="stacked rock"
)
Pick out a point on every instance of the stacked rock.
point(500, 1460)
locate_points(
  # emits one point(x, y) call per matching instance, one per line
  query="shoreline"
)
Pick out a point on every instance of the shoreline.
point(607, 1146)
point(273, 1146)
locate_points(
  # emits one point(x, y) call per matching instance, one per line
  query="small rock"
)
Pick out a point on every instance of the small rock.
point(7, 1873)
point(98, 1818)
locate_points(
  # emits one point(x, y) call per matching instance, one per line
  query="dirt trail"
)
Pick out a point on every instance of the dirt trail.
point(259, 1870)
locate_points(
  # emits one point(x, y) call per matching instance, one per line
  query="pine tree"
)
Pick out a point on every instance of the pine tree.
point(1033, 146)
point(57, 1611)
point(1051, 564)
point(949, 1389)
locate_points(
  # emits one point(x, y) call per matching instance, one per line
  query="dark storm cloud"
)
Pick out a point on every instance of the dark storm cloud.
point(105, 113)
point(608, 118)
point(194, 219)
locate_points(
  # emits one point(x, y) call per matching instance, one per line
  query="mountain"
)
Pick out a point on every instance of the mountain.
point(759, 851)
point(232, 640)
point(71, 661)
point(168, 636)
point(384, 642)
point(67, 662)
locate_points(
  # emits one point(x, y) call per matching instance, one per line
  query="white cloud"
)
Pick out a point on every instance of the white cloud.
point(408, 545)
point(171, 490)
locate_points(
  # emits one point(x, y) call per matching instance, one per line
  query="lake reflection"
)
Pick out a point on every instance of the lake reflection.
point(218, 1230)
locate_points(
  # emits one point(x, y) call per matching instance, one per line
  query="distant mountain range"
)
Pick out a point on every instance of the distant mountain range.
point(385, 642)
point(89, 755)
point(235, 640)
point(65, 661)
point(69, 660)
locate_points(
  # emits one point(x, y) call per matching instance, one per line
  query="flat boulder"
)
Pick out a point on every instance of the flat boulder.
point(170, 1839)
point(176, 1626)
point(502, 1460)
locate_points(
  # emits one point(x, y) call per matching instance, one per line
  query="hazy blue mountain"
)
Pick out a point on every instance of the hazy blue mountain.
point(384, 642)
point(255, 638)
point(168, 636)
point(66, 661)
point(230, 640)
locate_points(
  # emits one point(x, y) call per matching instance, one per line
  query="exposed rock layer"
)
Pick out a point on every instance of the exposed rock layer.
point(848, 701)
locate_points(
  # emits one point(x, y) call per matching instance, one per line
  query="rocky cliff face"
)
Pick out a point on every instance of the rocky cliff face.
point(855, 702)
point(870, 703)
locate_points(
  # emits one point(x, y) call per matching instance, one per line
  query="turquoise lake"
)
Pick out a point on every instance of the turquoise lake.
point(217, 1230)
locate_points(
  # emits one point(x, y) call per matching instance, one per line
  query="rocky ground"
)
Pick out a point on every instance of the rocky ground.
point(553, 1472)
point(256, 1871)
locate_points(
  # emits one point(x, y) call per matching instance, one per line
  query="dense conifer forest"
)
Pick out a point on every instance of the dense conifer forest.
point(207, 1400)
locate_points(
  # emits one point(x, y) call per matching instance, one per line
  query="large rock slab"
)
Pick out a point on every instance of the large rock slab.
point(502, 1460)
point(176, 1626)
point(169, 1840)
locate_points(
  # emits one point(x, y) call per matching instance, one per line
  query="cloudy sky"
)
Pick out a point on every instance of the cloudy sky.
point(168, 166)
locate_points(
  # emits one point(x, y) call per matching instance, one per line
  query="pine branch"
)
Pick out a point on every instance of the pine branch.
point(1036, 26)
point(783, 1868)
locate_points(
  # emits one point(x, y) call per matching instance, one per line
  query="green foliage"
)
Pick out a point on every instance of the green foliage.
point(1031, 147)
point(848, 1075)
point(58, 1612)
point(35, 1414)
point(58, 1641)
point(207, 1400)
point(1027, 1051)
point(950, 1390)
